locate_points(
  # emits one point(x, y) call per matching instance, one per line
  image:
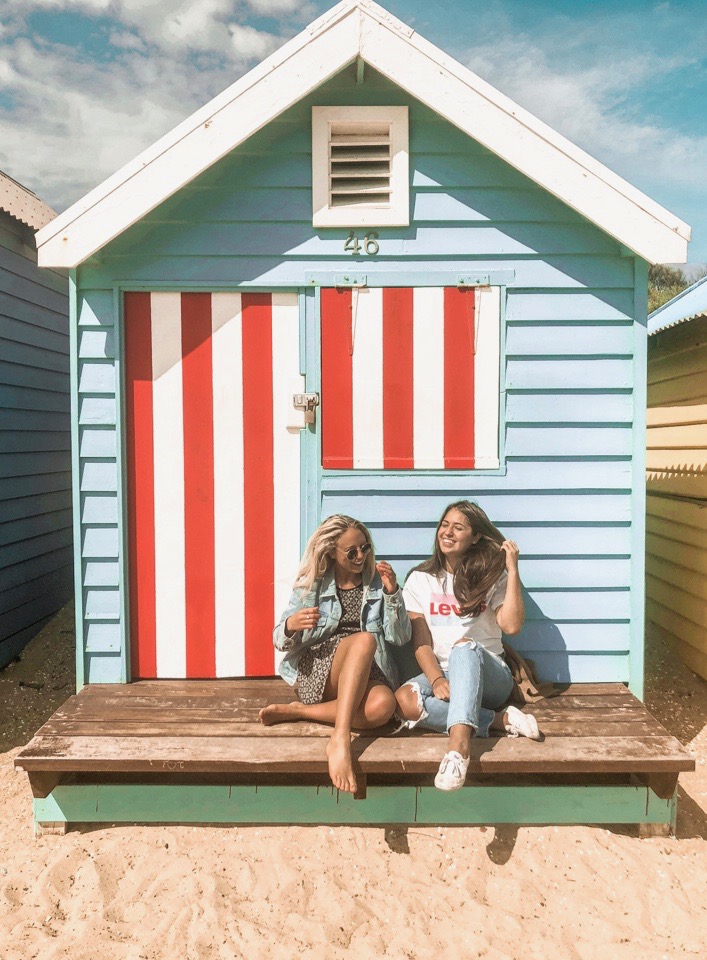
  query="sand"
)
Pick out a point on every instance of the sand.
point(202, 893)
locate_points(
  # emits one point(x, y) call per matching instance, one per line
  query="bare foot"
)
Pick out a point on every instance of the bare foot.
point(280, 713)
point(338, 753)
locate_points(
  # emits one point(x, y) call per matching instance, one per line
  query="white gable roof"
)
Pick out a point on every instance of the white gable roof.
point(351, 29)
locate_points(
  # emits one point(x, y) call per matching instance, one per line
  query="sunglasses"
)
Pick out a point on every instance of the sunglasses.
point(352, 552)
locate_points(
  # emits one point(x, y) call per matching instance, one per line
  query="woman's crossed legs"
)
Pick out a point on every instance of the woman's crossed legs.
point(349, 700)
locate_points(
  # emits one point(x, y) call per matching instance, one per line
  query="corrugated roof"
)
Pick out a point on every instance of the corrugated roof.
point(22, 204)
point(688, 305)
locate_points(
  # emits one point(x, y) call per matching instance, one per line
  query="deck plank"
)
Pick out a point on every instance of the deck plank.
point(227, 705)
point(268, 686)
point(382, 755)
point(250, 727)
point(249, 713)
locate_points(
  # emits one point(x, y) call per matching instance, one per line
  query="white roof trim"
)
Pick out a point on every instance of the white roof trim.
point(362, 28)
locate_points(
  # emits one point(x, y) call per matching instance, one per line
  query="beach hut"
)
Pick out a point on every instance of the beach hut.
point(676, 475)
point(360, 280)
point(36, 563)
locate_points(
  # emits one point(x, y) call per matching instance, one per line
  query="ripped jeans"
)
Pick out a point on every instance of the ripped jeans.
point(479, 683)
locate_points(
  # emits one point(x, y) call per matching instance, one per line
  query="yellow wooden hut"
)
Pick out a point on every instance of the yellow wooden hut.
point(676, 475)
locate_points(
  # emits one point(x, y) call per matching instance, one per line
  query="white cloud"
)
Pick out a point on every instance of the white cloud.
point(275, 8)
point(250, 43)
point(585, 85)
point(69, 121)
point(199, 25)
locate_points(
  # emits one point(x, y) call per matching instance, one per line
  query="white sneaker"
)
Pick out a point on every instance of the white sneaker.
point(521, 724)
point(452, 771)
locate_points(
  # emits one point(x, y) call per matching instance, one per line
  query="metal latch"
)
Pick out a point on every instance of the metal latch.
point(308, 402)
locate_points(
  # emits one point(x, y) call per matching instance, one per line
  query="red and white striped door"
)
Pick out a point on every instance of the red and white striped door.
point(213, 479)
point(410, 378)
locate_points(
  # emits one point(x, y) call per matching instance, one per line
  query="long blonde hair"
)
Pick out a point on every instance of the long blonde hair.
point(317, 557)
point(481, 565)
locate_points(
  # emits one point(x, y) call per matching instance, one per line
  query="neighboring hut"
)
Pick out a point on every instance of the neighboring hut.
point(359, 280)
point(676, 475)
point(36, 563)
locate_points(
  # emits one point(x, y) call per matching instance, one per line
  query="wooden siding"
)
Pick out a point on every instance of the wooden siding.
point(573, 350)
point(35, 478)
point(676, 477)
point(677, 411)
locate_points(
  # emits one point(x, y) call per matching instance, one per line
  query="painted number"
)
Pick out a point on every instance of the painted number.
point(352, 245)
point(370, 244)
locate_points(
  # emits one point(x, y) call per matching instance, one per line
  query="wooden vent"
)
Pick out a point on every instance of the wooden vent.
point(359, 164)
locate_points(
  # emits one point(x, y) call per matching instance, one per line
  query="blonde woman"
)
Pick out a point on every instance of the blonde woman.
point(460, 602)
point(344, 612)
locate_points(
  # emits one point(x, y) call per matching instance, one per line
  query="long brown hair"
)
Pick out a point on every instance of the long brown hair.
point(481, 565)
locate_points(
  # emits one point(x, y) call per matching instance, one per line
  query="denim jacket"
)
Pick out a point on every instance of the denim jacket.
point(382, 614)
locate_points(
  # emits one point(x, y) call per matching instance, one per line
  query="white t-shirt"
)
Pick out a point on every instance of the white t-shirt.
point(434, 598)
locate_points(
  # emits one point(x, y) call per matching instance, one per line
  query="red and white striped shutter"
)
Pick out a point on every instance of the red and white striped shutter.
point(410, 378)
point(213, 479)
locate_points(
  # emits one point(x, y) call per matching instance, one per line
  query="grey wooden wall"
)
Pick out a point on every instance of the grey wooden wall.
point(35, 459)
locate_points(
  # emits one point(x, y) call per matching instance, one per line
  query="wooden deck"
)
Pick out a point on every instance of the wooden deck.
point(206, 733)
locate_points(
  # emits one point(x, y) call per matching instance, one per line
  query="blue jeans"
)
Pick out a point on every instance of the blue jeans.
point(479, 683)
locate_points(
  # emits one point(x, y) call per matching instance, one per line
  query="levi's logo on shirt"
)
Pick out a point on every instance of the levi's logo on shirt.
point(442, 607)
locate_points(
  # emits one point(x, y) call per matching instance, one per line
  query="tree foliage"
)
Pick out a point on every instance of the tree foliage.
point(664, 283)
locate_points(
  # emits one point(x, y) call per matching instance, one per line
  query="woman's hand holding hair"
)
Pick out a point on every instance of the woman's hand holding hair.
point(510, 616)
point(387, 575)
point(304, 619)
point(510, 548)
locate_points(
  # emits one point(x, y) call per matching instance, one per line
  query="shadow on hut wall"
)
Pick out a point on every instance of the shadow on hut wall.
point(542, 643)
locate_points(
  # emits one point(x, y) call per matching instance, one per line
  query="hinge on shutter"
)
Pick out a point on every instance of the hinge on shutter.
point(350, 280)
point(499, 278)
point(474, 280)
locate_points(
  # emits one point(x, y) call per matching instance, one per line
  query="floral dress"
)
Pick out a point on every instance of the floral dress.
point(314, 665)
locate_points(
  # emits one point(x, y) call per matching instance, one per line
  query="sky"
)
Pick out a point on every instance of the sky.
point(85, 85)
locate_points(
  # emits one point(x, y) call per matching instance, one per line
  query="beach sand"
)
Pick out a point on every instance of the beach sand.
point(218, 893)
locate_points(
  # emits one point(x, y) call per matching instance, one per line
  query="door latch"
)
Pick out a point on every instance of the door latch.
point(308, 402)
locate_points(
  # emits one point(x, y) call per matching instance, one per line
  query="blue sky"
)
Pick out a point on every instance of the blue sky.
point(87, 84)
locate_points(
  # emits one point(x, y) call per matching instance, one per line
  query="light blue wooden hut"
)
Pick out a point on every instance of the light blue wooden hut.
point(269, 307)
point(35, 462)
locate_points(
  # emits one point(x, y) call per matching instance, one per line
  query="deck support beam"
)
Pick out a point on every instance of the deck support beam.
point(404, 804)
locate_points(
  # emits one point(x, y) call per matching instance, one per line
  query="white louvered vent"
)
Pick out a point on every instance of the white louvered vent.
point(360, 166)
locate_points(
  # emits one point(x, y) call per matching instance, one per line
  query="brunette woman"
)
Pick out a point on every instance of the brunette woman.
point(344, 612)
point(460, 601)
